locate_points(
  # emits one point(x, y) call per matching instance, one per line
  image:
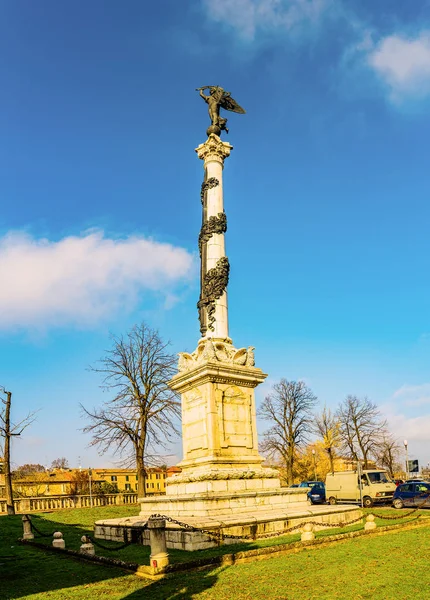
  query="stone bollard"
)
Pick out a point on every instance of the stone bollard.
point(308, 533)
point(87, 547)
point(370, 523)
point(157, 539)
point(58, 541)
point(26, 524)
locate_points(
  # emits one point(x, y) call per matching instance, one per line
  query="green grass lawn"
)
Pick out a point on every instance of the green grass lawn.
point(393, 565)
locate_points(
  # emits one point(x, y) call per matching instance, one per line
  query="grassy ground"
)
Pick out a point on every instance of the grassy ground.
point(382, 567)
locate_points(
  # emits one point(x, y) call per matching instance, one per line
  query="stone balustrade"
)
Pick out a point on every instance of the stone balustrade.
point(43, 503)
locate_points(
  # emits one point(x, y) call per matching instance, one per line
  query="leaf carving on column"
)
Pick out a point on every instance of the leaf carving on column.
point(207, 185)
point(214, 285)
point(213, 225)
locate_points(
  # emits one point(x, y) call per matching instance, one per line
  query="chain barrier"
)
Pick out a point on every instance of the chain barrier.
point(34, 528)
point(127, 543)
point(221, 536)
point(188, 527)
point(424, 495)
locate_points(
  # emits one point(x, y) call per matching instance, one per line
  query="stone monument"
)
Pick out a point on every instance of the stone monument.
point(221, 466)
point(223, 484)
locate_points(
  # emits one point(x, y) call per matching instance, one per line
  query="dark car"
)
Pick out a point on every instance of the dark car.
point(311, 483)
point(316, 495)
point(413, 493)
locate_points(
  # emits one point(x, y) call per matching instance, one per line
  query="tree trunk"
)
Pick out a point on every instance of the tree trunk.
point(330, 457)
point(141, 478)
point(290, 466)
point(7, 473)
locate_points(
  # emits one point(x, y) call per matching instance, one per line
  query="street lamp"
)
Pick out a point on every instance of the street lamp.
point(315, 464)
point(407, 461)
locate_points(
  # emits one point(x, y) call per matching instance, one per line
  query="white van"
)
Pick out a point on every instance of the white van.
point(344, 486)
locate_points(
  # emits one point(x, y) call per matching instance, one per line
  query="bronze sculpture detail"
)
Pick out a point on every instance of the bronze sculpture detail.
point(218, 98)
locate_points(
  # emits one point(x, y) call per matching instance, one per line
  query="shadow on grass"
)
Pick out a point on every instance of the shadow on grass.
point(28, 570)
point(182, 586)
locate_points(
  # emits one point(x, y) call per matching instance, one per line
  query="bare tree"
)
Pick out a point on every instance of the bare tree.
point(289, 408)
point(388, 454)
point(362, 428)
point(143, 411)
point(8, 430)
point(60, 463)
point(327, 426)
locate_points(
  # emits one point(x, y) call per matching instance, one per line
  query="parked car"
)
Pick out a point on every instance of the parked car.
point(412, 493)
point(310, 483)
point(316, 494)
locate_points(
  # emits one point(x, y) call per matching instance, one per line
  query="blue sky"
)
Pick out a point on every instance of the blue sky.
point(326, 194)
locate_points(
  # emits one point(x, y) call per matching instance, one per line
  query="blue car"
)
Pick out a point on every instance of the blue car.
point(311, 483)
point(316, 495)
point(412, 493)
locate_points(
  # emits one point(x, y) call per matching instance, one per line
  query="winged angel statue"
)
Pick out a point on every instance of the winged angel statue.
point(218, 98)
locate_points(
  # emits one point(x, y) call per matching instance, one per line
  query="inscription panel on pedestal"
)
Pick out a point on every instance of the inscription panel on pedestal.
point(234, 416)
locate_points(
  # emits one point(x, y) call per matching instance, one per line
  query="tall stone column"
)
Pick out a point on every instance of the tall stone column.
point(214, 270)
point(217, 380)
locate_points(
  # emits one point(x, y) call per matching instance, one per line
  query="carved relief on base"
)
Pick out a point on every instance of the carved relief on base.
point(216, 351)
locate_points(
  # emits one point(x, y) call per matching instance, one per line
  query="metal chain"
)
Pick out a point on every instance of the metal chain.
point(34, 528)
point(189, 527)
point(220, 535)
point(140, 528)
point(424, 495)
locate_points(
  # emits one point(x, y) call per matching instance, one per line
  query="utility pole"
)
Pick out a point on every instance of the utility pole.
point(407, 460)
point(315, 464)
point(7, 431)
point(90, 472)
point(5, 427)
point(360, 482)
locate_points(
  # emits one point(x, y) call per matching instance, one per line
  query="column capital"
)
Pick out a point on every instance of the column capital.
point(214, 149)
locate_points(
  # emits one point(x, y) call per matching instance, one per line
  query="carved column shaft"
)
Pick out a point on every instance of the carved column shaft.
point(213, 310)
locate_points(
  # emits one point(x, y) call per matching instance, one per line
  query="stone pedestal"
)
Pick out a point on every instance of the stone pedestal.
point(221, 466)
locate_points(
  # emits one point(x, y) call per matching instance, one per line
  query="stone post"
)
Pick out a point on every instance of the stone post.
point(308, 533)
point(26, 524)
point(370, 523)
point(157, 539)
point(58, 541)
point(87, 547)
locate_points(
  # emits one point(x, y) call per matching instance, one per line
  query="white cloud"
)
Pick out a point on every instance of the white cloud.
point(81, 280)
point(414, 429)
point(404, 65)
point(248, 17)
point(408, 415)
point(413, 395)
